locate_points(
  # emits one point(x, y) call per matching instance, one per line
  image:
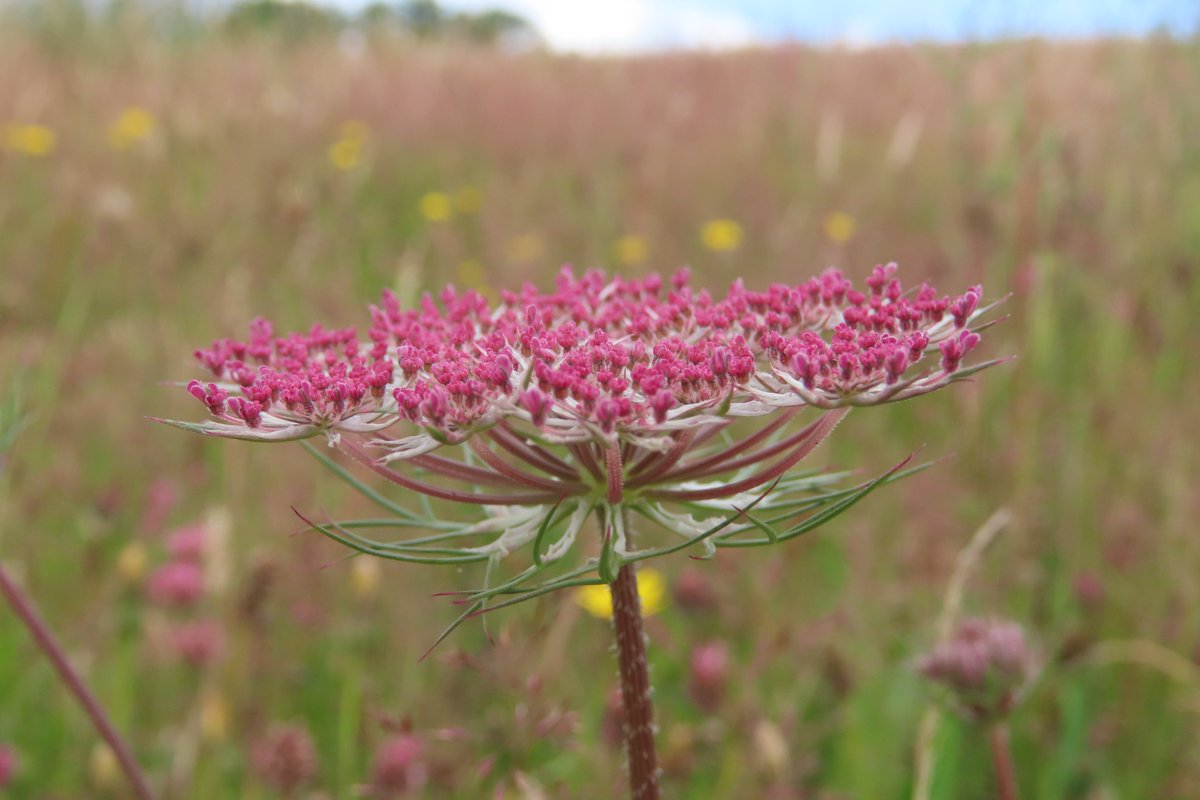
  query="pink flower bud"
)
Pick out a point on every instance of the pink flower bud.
point(212, 396)
point(607, 412)
point(897, 362)
point(435, 406)
point(249, 411)
point(955, 349)
point(804, 368)
point(661, 403)
point(537, 404)
point(964, 306)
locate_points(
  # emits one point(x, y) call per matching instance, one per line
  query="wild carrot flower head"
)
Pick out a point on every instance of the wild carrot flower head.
point(603, 397)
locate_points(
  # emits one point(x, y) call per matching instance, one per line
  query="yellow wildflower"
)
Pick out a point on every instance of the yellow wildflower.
point(631, 250)
point(839, 227)
point(525, 248)
point(347, 151)
point(652, 591)
point(364, 576)
point(103, 767)
point(131, 562)
point(468, 200)
point(132, 126)
point(435, 207)
point(30, 140)
point(214, 716)
point(721, 235)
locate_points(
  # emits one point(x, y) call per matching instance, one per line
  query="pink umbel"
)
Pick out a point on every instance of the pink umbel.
point(634, 359)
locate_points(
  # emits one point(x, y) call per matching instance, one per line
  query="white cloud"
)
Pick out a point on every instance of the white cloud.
point(629, 26)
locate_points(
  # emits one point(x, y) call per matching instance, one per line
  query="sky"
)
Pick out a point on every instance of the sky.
point(626, 26)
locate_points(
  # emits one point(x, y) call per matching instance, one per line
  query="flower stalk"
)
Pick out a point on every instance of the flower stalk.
point(27, 612)
point(636, 694)
point(1002, 762)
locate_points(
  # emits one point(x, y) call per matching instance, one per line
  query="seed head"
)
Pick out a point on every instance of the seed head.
point(985, 664)
point(285, 759)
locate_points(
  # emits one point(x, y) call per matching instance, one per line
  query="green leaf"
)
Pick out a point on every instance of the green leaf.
point(362, 546)
point(459, 620)
point(818, 519)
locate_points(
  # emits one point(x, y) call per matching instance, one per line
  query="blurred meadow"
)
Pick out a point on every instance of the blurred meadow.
point(162, 184)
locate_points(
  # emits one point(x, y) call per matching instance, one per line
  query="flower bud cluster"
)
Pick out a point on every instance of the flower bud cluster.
point(594, 359)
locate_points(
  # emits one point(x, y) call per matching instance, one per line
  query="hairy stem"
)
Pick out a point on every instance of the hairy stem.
point(25, 610)
point(1002, 761)
point(635, 686)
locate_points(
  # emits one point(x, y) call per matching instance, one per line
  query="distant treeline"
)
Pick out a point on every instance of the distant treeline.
point(424, 19)
point(286, 20)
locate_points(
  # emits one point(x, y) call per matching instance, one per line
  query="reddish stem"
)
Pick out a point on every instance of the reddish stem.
point(813, 437)
point(532, 454)
point(28, 614)
point(647, 471)
point(717, 459)
point(526, 479)
point(1002, 761)
point(635, 686)
point(399, 479)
